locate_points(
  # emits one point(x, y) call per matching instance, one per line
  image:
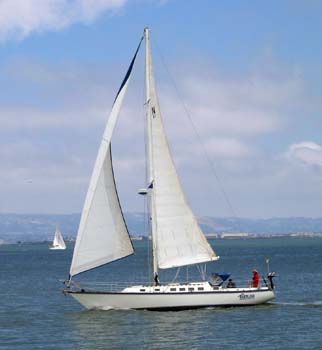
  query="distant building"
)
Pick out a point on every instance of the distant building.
point(306, 234)
point(136, 238)
point(212, 235)
point(234, 235)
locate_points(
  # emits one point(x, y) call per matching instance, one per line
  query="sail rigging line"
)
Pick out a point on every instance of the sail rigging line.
point(210, 163)
point(176, 275)
point(202, 268)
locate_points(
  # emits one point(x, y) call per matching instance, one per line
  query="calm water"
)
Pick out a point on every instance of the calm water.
point(35, 315)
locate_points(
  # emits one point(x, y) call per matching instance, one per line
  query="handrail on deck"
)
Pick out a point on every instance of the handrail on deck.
point(115, 286)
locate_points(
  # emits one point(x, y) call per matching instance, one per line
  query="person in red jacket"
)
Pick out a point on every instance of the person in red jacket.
point(256, 278)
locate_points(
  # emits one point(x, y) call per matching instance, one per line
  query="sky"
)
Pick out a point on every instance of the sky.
point(239, 85)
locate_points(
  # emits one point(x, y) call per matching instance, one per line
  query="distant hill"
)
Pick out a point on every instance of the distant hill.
point(41, 227)
point(261, 226)
point(36, 227)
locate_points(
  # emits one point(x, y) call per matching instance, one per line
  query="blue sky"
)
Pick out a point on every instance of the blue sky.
point(249, 73)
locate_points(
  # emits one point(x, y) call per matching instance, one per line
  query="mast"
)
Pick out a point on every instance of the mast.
point(148, 74)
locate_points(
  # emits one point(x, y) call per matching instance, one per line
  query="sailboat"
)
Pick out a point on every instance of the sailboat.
point(58, 242)
point(177, 239)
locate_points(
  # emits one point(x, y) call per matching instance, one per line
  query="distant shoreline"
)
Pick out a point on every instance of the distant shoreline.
point(41, 227)
point(211, 238)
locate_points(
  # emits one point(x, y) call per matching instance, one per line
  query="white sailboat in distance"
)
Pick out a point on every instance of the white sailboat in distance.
point(177, 239)
point(58, 242)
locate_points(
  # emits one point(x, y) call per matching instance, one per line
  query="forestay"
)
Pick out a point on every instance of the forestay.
point(178, 238)
point(102, 235)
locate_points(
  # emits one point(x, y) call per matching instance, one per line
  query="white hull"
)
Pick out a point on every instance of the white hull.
point(173, 301)
point(57, 248)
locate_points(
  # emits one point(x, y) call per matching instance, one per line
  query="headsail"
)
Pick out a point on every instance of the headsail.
point(178, 239)
point(102, 235)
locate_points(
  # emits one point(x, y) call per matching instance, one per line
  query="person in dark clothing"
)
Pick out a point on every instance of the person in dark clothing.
point(256, 278)
point(231, 284)
point(156, 280)
point(270, 277)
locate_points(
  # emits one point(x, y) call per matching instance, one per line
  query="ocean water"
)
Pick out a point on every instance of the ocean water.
point(34, 314)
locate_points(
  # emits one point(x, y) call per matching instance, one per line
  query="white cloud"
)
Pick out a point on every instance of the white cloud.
point(227, 148)
point(306, 153)
point(38, 118)
point(51, 124)
point(20, 18)
point(249, 106)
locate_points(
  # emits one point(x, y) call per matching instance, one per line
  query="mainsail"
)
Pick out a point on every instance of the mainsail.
point(102, 235)
point(178, 239)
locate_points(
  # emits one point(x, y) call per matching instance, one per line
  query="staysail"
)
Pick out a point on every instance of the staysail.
point(178, 239)
point(102, 235)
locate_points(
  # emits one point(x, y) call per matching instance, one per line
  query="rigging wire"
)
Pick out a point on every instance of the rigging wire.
point(202, 270)
point(176, 275)
point(210, 162)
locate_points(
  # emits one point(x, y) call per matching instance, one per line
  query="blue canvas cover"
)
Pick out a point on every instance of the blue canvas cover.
point(219, 278)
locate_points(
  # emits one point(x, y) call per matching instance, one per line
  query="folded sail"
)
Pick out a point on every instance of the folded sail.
point(102, 235)
point(178, 238)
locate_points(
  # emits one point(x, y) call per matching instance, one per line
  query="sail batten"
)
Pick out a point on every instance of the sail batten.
point(102, 235)
point(179, 240)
